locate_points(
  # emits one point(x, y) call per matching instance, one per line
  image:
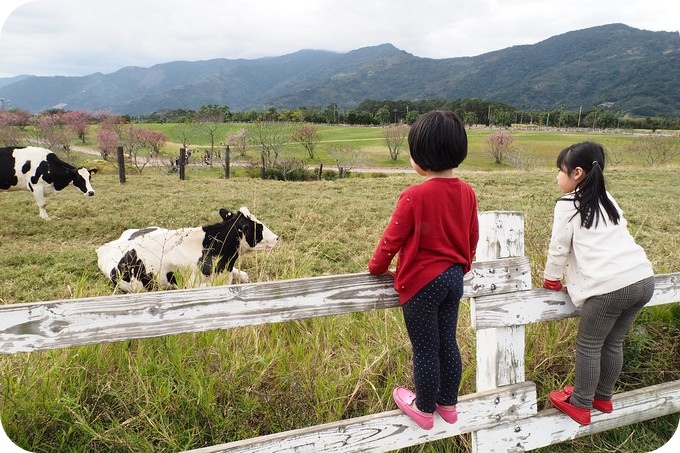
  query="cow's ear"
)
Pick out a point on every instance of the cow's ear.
point(225, 214)
point(92, 170)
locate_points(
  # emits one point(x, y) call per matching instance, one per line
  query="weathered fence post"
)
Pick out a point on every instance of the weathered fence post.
point(500, 351)
point(121, 164)
point(226, 162)
point(182, 162)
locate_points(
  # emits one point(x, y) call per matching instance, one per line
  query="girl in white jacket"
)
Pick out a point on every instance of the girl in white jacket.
point(606, 274)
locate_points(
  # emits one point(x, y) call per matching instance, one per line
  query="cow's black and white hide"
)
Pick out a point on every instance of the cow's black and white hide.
point(149, 258)
point(40, 171)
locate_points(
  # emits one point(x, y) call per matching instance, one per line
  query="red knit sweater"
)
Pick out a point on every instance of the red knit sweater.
point(433, 227)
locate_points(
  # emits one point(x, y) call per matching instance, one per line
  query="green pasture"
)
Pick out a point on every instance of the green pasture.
point(539, 146)
point(194, 390)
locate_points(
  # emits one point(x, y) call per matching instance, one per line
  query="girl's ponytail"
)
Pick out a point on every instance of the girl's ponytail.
point(591, 194)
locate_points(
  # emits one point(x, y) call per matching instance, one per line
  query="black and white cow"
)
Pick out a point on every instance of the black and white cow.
point(149, 258)
point(40, 171)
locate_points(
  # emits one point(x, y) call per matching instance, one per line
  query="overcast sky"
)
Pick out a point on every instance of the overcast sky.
point(80, 37)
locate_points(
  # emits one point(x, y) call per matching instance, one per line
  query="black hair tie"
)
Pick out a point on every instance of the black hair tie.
point(595, 162)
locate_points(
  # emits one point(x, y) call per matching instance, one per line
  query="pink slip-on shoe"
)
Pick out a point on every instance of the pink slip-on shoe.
point(449, 414)
point(601, 405)
point(578, 414)
point(404, 397)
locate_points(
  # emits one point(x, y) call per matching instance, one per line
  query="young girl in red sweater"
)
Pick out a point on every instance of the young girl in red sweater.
point(434, 229)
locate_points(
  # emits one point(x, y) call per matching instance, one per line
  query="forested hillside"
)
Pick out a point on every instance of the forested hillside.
point(630, 70)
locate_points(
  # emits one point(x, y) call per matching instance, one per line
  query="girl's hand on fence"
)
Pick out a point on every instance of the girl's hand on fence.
point(553, 285)
point(389, 272)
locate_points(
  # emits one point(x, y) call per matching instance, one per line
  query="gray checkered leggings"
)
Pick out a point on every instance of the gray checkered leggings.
point(605, 319)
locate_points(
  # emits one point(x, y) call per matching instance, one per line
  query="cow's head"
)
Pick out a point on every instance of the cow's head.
point(253, 234)
point(82, 180)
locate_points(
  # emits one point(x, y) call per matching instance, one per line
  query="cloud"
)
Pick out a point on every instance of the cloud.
point(79, 37)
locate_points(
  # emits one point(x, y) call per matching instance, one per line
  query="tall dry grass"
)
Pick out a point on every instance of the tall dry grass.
point(188, 391)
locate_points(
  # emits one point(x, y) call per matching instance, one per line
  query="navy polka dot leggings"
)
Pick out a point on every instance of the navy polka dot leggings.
point(431, 318)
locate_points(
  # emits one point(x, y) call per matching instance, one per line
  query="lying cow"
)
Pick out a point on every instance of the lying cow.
point(149, 258)
point(42, 172)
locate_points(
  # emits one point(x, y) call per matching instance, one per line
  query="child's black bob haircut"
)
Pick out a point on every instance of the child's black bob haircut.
point(437, 141)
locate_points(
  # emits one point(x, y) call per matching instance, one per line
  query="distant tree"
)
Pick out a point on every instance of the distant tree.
point(154, 140)
point(365, 118)
point(22, 118)
point(615, 154)
point(135, 140)
point(502, 118)
point(383, 115)
point(271, 114)
point(568, 118)
point(11, 130)
point(129, 138)
point(607, 120)
point(545, 119)
point(469, 118)
point(599, 119)
point(291, 116)
point(351, 117)
point(108, 142)
point(289, 170)
point(308, 136)
point(215, 113)
point(246, 117)
point(79, 122)
point(661, 121)
point(270, 137)
point(330, 113)
point(412, 116)
point(51, 131)
point(209, 120)
point(500, 145)
point(106, 120)
point(346, 158)
point(182, 132)
point(519, 159)
point(655, 150)
point(395, 136)
point(239, 141)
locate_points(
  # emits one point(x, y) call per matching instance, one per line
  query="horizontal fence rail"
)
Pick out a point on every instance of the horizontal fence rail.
point(393, 429)
point(75, 322)
point(551, 426)
point(537, 305)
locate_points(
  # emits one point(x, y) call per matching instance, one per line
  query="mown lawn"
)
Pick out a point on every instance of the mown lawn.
point(539, 146)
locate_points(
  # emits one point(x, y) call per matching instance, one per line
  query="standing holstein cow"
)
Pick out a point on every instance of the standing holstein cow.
point(149, 258)
point(40, 171)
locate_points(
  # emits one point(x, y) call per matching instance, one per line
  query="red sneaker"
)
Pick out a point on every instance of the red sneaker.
point(601, 405)
point(578, 414)
point(450, 415)
point(404, 397)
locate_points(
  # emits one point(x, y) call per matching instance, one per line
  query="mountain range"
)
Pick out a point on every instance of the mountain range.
point(630, 70)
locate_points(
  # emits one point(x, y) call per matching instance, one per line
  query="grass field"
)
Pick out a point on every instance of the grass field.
point(540, 146)
point(188, 391)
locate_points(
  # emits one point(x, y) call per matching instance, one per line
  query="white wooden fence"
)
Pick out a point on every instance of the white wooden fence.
point(502, 415)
